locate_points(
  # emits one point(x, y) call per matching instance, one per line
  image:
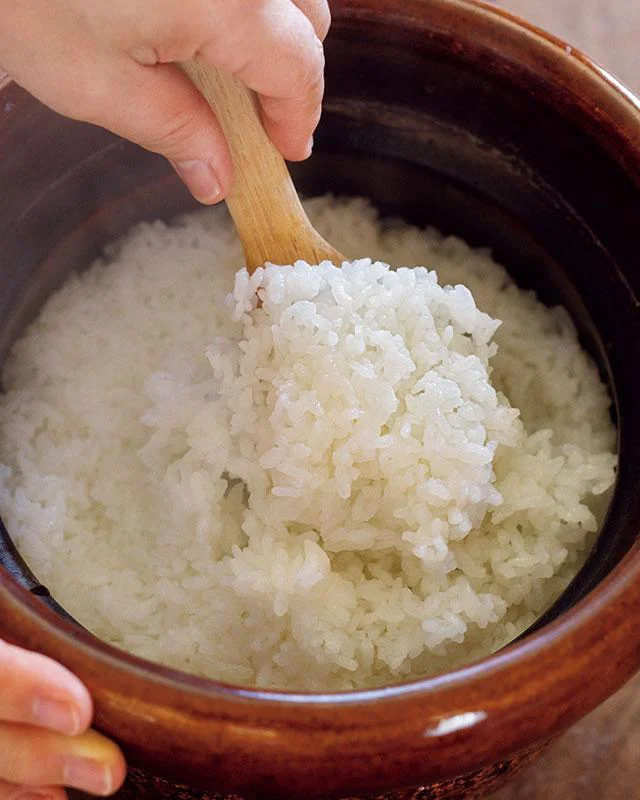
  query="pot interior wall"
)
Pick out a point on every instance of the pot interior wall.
point(429, 137)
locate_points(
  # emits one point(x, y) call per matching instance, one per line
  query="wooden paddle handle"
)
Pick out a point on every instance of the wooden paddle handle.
point(263, 201)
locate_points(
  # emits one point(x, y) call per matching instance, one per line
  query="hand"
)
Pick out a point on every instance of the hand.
point(109, 62)
point(45, 713)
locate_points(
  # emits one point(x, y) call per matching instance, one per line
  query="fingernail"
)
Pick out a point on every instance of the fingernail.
point(89, 775)
point(201, 180)
point(56, 715)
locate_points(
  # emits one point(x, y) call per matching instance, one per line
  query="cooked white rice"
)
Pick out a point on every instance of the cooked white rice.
point(322, 493)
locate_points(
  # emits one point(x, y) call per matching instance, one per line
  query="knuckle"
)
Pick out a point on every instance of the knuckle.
point(232, 41)
point(176, 50)
point(307, 71)
point(179, 42)
point(170, 32)
point(314, 62)
point(144, 54)
point(313, 87)
point(318, 13)
point(322, 20)
point(170, 136)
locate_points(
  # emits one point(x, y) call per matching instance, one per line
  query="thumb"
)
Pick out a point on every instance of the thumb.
point(158, 108)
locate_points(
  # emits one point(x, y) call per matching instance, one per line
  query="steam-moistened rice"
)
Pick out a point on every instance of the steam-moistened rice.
point(329, 491)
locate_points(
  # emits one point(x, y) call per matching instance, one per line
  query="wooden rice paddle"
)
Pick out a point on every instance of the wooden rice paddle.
point(263, 201)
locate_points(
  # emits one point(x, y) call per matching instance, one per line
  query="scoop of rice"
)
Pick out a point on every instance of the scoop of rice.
point(323, 491)
point(357, 407)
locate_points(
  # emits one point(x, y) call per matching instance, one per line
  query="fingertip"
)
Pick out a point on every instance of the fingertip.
point(298, 152)
point(63, 703)
point(116, 768)
point(291, 144)
point(102, 756)
point(68, 690)
point(308, 149)
point(41, 691)
point(291, 124)
point(84, 709)
point(119, 770)
point(201, 179)
point(59, 715)
point(213, 201)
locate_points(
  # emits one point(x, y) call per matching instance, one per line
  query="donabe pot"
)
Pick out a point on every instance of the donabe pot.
point(441, 111)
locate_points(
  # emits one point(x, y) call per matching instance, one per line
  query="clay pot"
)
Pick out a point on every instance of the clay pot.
point(441, 111)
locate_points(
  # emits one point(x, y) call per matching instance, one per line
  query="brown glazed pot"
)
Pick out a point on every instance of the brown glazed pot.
point(442, 111)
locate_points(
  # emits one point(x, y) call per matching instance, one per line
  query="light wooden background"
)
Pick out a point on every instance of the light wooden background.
point(599, 759)
point(607, 30)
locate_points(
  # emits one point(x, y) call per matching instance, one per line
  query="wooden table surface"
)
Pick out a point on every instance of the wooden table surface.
point(599, 759)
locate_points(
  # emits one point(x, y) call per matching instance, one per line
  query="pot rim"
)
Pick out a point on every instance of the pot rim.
point(572, 640)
